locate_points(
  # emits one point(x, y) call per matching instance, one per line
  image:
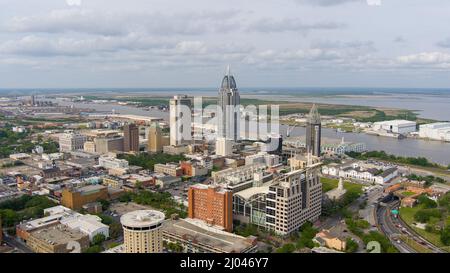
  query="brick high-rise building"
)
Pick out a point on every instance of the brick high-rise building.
point(212, 204)
point(130, 138)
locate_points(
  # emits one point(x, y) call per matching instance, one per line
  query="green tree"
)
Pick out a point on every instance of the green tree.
point(426, 202)
point(94, 249)
point(287, 248)
point(115, 230)
point(98, 239)
point(445, 236)
point(424, 215)
point(350, 245)
point(105, 204)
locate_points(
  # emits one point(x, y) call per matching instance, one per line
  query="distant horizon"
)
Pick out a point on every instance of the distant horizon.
point(244, 88)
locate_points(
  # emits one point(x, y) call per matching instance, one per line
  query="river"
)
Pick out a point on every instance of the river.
point(435, 151)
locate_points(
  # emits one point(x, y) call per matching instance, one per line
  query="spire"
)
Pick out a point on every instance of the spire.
point(228, 81)
point(314, 117)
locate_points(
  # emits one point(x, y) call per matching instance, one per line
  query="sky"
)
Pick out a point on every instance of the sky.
point(267, 43)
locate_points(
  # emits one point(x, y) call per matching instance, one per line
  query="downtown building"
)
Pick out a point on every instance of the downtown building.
point(313, 132)
point(130, 138)
point(177, 128)
point(229, 113)
point(283, 204)
point(70, 142)
point(211, 205)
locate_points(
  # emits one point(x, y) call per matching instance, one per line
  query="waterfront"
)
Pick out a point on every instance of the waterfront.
point(434, 151)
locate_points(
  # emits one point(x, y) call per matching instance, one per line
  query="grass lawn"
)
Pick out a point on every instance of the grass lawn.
point(408, 193)
point(407, 214)
point(330, 183)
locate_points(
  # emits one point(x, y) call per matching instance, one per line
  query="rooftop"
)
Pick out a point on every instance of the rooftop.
point(59, 234)
point(250, 192)
point(219, 240)
point(142, 218)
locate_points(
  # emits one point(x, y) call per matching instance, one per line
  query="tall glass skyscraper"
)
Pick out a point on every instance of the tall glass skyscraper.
point(228, 101)
point(313, 132)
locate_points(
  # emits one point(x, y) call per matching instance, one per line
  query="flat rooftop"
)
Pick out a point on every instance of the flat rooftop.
point(220, 240)
point(59, 234)
point(142, 218)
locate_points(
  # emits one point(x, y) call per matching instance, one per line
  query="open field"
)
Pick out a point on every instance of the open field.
point(407, 215)
point(329, 183)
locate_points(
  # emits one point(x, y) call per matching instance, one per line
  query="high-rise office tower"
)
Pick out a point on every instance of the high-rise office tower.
point(130, 138)
point(228, 101)
point(224, 147)
point(177, 127)
point(313, 132)
point(293, 200)
point(142, 231)
point(155, 143)
point(33, 100)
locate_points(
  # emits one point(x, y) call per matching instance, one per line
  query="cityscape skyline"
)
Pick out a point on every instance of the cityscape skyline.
point(226, 168)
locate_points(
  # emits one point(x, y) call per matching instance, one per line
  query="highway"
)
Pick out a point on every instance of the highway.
point(393, 227)
point(386, 226)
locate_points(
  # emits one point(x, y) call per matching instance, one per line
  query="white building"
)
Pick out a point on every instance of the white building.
point(108, 162)
point(90, 225)
point(262, 157)
point(177, 128)
point(396, 126)
point(436, 131)
point(344, 147)
point(19, 129)
point(369, 175)
point(224, 147)
point(70, 142)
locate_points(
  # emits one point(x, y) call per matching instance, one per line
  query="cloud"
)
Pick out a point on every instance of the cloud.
point(399, 39)
point(38, 46)
point(444, 43)
point(326, 3)
point(440, 59)
point(109, 23)
point(290, 24)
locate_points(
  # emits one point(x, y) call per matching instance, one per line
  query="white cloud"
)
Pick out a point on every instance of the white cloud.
point(426, 58)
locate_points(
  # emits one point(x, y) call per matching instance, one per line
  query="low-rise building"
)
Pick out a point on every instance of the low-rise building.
point(69, 142)
point(169, 168)
point(166, 181)
point(89, 225)
point(396, 126)
point(57, 239)
point(197, 238)
point(109, 162)
point(436, 131)
point(76, 198)
point(113, 182)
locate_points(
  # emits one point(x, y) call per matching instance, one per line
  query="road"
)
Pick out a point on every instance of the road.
point(393, 227)
point(13, 242)
point(388, 228)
